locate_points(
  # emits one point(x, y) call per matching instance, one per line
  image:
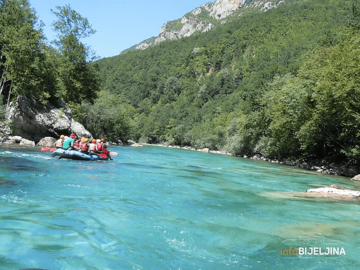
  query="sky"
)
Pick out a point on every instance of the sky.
point(119, 24)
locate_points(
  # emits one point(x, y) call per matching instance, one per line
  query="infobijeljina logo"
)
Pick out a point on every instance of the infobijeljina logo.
point(312, 244)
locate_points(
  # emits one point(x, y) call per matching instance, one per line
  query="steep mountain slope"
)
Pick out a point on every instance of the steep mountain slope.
point(206, 17)
point(265, 82)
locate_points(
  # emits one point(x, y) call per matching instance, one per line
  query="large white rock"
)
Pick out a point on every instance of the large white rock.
point(26, 142)
point(34, 120)
point(47, 141)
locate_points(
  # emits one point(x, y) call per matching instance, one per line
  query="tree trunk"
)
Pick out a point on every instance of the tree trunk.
point(7, 104)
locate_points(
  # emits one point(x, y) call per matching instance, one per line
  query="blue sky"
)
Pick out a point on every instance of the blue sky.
point(119, 24)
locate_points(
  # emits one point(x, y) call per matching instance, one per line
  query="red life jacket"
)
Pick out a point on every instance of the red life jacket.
point(106, 152)
point(77, 144)
point(84, 147)
point(99, 147)
point(59, 143)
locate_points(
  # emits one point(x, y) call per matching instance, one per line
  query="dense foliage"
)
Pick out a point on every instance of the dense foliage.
point(29, 66)
point(281, 83)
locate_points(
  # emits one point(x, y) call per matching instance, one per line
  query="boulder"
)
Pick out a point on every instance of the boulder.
point(356, 178)
point(136, 145)
point(130, 142)
point(26, 142)
point(34, 120)
point(16, 139)
point(47, 141)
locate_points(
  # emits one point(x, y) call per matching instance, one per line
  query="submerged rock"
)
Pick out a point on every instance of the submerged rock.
point(334, 191)
point(329, 193)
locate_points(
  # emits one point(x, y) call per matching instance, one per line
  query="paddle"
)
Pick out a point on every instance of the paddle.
point(113, 153)
point(104, 156)
point(48, 149)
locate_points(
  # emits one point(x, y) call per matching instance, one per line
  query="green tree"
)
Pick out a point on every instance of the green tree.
point(108, 117)
point(78, 76)
point(23, 63)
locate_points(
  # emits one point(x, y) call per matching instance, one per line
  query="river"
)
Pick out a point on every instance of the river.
point(160, 208)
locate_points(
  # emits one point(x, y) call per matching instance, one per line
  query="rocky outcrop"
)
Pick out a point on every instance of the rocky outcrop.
point(34, 120)
point(223, 8)
point(265, 5)
point(5, 132)
point(193, 22)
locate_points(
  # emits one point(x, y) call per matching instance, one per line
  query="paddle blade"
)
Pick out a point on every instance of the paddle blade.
point(45, 148)
point(113, 153)
point(52, 149)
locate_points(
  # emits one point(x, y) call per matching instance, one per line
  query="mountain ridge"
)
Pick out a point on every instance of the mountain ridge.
point(205, 18)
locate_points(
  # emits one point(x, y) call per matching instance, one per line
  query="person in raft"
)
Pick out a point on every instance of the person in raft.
point(101, 147)
point(59, 143)
point(69, 143)
point(92, 147)
point(77, 143)
point(84, 146)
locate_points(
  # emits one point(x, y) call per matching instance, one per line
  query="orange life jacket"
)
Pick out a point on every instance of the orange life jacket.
point(59, 143)
point(84, 147)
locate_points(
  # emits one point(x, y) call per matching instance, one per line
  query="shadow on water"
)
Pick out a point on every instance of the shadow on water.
point(6, 182)
point(18, 164)
point(142, 166)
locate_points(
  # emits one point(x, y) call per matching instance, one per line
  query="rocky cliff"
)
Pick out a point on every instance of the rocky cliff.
point(205, 18)
point(33, 120)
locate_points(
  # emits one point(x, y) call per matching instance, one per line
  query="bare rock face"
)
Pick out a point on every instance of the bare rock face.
point(223, 8)
point(34, 120)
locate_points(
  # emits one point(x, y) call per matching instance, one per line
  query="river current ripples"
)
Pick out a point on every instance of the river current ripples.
point(160, 208)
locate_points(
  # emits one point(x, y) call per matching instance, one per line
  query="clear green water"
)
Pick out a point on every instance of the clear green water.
point(159, 208)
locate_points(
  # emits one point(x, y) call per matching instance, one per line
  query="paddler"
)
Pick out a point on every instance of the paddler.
point(77, 143)
point(59, 143)
point(69, 143)
point(92, 147)
point(84, 146)
point(101, 148)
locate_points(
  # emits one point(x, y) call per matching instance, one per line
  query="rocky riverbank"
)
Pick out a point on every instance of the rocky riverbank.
point(320, 166)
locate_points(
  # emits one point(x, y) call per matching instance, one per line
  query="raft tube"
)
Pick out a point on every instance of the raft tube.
point(76, 155)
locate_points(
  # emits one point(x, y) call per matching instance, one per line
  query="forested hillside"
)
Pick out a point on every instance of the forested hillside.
point(282, 83)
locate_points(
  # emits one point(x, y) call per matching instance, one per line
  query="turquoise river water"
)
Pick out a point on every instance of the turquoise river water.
point(160, 208)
